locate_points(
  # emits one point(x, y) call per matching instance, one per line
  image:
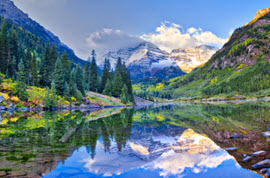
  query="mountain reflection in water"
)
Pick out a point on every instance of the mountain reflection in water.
point(164, 141)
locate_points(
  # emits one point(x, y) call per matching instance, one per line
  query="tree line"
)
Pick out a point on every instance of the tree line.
point(31, 62)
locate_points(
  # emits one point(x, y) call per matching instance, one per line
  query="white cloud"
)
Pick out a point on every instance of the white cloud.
point(193, 30)
point(169, 36)
point(110, 40)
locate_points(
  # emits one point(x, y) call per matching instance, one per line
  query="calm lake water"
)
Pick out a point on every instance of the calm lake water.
point(183, 140)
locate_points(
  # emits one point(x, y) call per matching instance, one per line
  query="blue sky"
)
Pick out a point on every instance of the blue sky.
point(112, 24)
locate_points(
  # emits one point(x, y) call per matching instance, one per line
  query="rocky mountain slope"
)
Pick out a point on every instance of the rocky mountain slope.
point(10, 12)
point(192, 57)
point(147, 60)
point(258, 15)
point(239, 69)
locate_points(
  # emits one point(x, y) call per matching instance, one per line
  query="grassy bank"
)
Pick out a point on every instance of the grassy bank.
point(36, 98)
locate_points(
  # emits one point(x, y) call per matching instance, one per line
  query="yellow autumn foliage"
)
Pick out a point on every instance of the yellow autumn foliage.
point(160, 117)
point(15, 99)
point(6, 97)
point(213, 81)
point(159, 85)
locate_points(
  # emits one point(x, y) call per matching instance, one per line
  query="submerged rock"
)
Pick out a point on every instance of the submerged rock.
point(259, 153)
point(266, 134)
point(231, 149)
point(262, 164)
point(236, 136)
point(267, 172)
point(263, 171)
point(247, 159)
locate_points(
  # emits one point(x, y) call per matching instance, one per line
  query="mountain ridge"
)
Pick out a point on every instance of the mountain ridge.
point(240, 69)
point(260, 13)
point(147, 60)
point(13, 14)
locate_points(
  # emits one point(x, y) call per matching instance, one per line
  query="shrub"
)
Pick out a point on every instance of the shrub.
point(6, 97)
point(15, 99)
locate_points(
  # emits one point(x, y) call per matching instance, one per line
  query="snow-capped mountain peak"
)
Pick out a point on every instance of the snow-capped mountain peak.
point(147, 60)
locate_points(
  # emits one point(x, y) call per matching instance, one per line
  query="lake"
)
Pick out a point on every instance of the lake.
point(173, 140)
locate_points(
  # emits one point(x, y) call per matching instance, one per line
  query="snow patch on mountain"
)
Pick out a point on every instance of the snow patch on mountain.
point(147, 60)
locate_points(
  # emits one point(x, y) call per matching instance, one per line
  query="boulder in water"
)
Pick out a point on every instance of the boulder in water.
point(247, 159)
point(263, 171)
point(262, 164)
point(259, 153)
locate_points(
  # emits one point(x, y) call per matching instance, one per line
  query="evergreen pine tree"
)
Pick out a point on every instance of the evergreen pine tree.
point(13, 67)
point(53, 95)
point(14, 48)
point(52, 59)
point(86, 85)
point(33, 79)
point(72, 83)
point(107, 90)
point(119, 65)
point(66, 66)
point(3, 47)
point(124, 73)
point(28, 59)
point(105, 74)
point(129, 86)
point(124, 95)
point(93, 83)
point(87, 74)
point(117, 84)
point(1, 80)
point(21, 79)
point(80, 80)
point(66, 93)
point(79, 96)
point(58, 77)
point(45, 79)
point(47, 102)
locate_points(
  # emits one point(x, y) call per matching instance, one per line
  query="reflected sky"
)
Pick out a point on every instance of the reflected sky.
point(187, 155)
point(159, 141)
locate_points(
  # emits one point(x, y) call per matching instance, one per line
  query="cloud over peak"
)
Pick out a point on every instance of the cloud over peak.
point(110, 40)
point(169, 36)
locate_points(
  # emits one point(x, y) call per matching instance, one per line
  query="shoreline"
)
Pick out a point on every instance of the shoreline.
point(89, 107)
